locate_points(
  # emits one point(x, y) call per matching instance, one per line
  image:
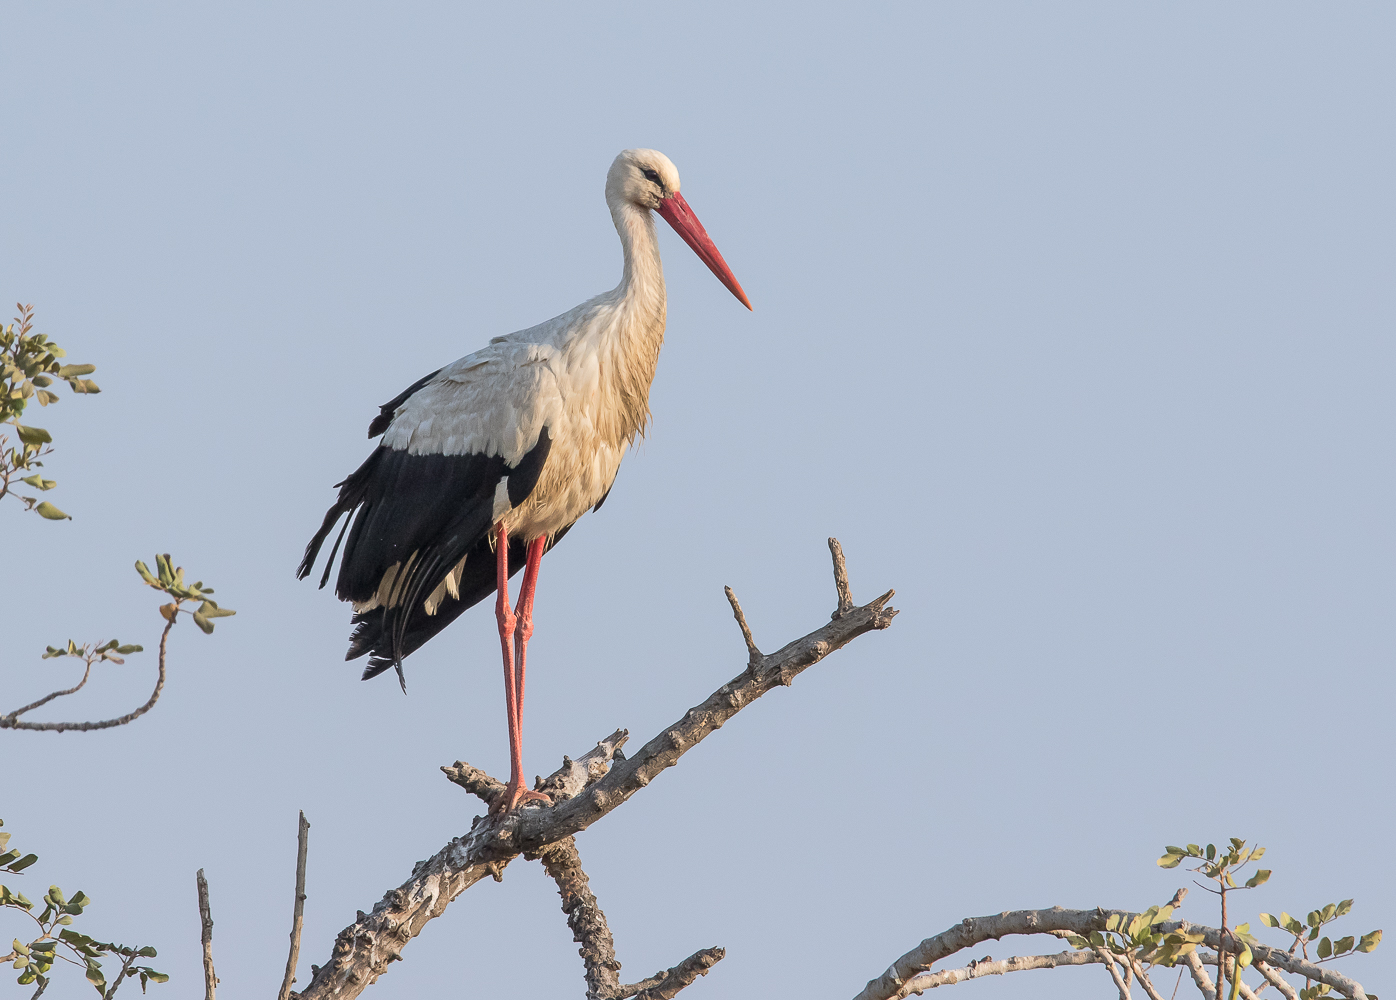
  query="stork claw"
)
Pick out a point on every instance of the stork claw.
point(515, 795)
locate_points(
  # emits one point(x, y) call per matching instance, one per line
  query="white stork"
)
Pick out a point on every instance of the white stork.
point(504, 450)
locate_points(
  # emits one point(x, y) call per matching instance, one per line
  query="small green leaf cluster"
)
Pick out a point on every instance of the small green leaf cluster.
point(94, 653)
point(1143, 933)
point(1219, 865)
point(29, 364)
point(10, 862)
point(1311, 930)
point(34, 960)
point(170, 579)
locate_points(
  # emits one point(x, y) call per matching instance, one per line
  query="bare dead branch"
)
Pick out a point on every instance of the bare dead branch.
point(298, 913)
point(12, 721)
point(364, 950)
point(988, 967)
point(840, 579)
point(753, 654)
point(973, 930)
point(206, 935)
point(666, 985)
point(589, 928)
point(584, 918)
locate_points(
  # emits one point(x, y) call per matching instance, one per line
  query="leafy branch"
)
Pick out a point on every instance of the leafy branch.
point(29, 364)
point(168, 579)
point(56, 942)
point(1222, 867)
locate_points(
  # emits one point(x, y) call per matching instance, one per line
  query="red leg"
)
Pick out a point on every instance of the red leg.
point(523, 631)
point(516, 791)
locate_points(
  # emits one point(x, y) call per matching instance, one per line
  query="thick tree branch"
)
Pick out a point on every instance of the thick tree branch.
point(1114, 971)
point(1276, 980)
point(1199, 975)
point(12, 721)
point(1143, 978)
point(589, 928)
point(988, 967)
point(972, 930)
point(364, 950)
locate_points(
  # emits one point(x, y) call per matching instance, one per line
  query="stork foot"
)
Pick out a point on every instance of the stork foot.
point(515, 795)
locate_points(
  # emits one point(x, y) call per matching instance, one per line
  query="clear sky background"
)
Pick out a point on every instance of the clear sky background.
point(1073, 321)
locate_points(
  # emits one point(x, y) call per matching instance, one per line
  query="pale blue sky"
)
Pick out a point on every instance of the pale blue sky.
point(1074, 323)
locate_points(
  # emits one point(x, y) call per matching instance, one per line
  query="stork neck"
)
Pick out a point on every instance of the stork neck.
point(641, 287)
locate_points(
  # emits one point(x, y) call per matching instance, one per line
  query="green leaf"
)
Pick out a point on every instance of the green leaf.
point(1258, 878)
point(1270, 920)
point(203, 623)
point(1344, 908)
point(70, 371)
point(1369, 943)
point(22, 864)
point(1329, 912)
point(1325, 948)
point(33, 435)
point(1211, 852)
point(128, 650)
point(1170, 861)
point(48, 510)
point(1343, 945)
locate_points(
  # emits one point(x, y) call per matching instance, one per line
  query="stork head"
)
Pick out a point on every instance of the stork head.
point(648, 179)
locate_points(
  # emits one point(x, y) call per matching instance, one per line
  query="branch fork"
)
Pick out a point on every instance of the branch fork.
point(579, 793)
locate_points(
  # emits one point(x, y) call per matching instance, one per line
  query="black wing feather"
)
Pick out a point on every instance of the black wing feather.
point(422, 513)
point(388, 410)
point(372, 630)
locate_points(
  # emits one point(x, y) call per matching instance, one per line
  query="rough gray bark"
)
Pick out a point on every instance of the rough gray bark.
point(581, 792)
point(206, 935)
point(972, 930)
point(598, 951)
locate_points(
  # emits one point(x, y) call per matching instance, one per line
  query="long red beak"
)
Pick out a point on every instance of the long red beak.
point(677, 213)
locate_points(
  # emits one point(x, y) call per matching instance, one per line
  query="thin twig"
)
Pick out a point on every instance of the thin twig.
point(840, 579)
point(12, 721)
point(206, 917)
point(49, 697)
point(365, 950)
point(753, 654)
point(302, 845)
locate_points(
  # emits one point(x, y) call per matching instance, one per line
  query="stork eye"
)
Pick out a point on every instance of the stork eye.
point(652, 175)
